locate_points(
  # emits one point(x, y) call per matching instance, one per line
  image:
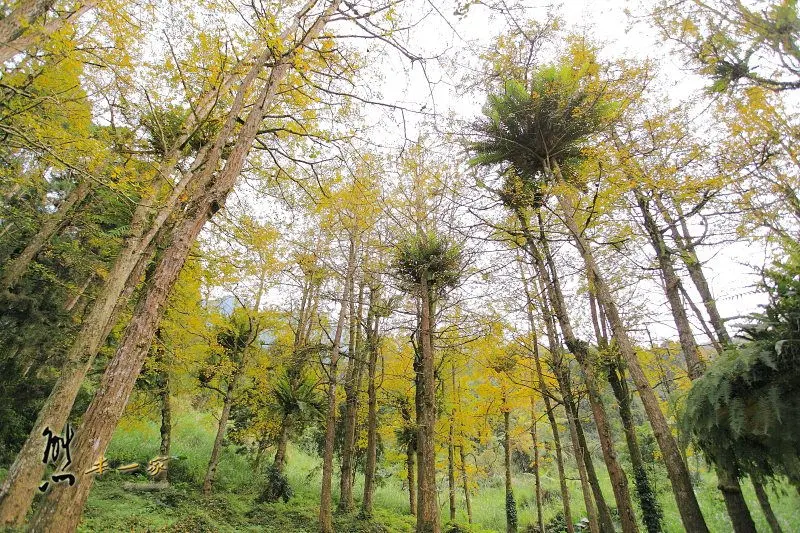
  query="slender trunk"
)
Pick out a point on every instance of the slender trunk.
point(451, 473)
point(411, 452)
point(221, 426)
point(545, 392)
point(536, 474)
point(691, 515)
point(734, 500)
point(577, 450)
point(603, 512)
point(418, 408)
point(428, 512)
point(352, 388)
point(763, 500)
point(689, 257)
point(70, 305)
point(465, 481)
point(729, 484)
point(166, 407)
point(14, 269)
point(117, 383)
point(372, 415)
point(651, 509)
point(579, 348)
point(511, 504)
point(283, 440)
point(326, 497)
point(694, 365)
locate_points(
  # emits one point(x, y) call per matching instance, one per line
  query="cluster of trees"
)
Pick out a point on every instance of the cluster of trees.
point(190, 208)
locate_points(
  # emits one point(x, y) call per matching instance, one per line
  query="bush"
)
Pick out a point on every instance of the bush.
point(277, 487)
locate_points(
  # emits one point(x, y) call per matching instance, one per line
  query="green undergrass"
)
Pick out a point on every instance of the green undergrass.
point(232, 507)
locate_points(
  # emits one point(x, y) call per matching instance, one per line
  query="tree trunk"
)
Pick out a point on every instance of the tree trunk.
point(465, 481)
point(411, 452)
point(19, 487)
point(578, 451)
point(734, 500)
point(536, 474)
point(117, 383)
point(372, 415)
point(579, 349)
point(14, 269)
point(223, 423)
point(603, 512)
point(451, 473)
point(29, 38)
point(23, 477)
point(24, 15)
point(763, 500)
point(729, 484)
point(695, 367)
point(651, 509)
point(283, 440)
point(691, 515)
point(325, 515)
point(511, 505)
point(352, 388)
point(689, 257)
point(428, 511)
point(166, 408)
point(544, 390)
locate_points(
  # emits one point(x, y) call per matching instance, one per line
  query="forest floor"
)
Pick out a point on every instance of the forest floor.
point(232, 507)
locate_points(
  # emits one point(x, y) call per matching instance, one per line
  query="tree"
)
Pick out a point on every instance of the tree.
point(427, 265)
point(539, 135)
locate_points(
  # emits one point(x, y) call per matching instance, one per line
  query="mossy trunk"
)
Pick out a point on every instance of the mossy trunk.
point(691, 515)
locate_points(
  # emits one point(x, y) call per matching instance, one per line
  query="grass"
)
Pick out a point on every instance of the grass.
point(232, 507)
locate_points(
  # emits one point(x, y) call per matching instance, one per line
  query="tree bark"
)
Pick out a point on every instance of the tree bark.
point(221, 426)
point(166, 407)
point(763, 500)
point(18, 489)
point(536, 474)
point(106, 408)
point(695, 367)
point(511, 504)
point(603, 512)
point(24, 15)
point(283, 440)
point(372, 414)
point(578, 451)
point(326, 497)
point(545, 392)
point(451, 475)
point(352, 388)
point(465, 481)
point(25, 40)
point(428, 511)
point(555, 297)
point(651, 510)
point(734, 500)
point(411, 453)
point(15, 269)
point(691, 515)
